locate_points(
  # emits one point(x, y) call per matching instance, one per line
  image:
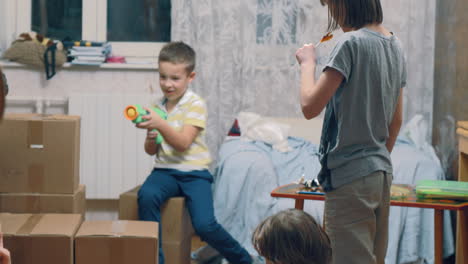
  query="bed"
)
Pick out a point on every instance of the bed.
point(248, 170)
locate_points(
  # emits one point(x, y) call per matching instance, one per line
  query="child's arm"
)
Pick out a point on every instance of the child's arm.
point(315, 94)
point(179, 140)
point(395, 125)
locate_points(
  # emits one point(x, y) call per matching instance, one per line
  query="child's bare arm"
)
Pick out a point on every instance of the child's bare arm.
point(179, 140)
point(395, 125)
point(315, 94)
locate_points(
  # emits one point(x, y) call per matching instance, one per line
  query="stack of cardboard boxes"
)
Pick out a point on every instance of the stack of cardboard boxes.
point(42, 205)
point(39, 164)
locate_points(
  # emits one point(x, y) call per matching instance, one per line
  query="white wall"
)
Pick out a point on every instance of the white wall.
point(30, 82)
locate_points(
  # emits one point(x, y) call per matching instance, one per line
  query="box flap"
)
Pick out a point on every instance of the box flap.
point(11, 223)
point(40, 224)
point(118, 229)
point(81, 188)
point(39, 117)
point(21, 116)
point(57, 225)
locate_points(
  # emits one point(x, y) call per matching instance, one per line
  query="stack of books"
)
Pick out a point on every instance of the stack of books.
point(433, 189)
point(94, 54)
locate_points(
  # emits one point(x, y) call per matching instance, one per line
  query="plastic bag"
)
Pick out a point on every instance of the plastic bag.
point(254, 127)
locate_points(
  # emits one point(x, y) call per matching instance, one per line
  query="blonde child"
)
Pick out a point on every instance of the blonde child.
point(361, 87)
point(182, 159)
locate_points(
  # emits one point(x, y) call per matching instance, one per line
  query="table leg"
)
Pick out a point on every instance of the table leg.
point(438, 235)
point(299, 204)
point(462, 237)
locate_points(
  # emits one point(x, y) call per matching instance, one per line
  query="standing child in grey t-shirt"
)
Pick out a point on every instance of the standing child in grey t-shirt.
point(361, 87)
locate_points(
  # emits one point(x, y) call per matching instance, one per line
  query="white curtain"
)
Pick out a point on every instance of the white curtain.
point(245, 54)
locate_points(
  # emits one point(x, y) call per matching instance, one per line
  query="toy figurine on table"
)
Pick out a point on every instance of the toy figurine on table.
point(310, 186)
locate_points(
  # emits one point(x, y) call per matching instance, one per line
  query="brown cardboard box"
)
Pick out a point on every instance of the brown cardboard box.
point(34, 203)
point(39, 153)
point(40, 238)
point(177, 252)
point(175, 219)
point(117, 242)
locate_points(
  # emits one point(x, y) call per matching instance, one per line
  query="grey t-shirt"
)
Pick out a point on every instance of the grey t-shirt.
point(374, 70)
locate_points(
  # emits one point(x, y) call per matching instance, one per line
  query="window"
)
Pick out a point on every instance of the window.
point(136, 28)
point(276, 22)
point(57, 19)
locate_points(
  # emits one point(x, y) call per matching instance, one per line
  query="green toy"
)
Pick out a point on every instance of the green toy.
point(135, 113)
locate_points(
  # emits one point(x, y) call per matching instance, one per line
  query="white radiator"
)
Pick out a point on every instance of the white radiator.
point(112, 158)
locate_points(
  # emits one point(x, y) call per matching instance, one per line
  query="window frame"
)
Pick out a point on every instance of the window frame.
point(94, 27)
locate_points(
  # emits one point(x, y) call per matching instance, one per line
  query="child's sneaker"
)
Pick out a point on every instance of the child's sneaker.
point(255, 260)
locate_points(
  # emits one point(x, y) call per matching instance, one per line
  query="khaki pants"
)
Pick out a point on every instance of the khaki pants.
point(356, 219)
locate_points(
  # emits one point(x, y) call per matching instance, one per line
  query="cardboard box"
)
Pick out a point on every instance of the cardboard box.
point(177, 252)
point(39, 153)
point(40, 238)
point(175, 218)
point(34, 203)
point(117, 242)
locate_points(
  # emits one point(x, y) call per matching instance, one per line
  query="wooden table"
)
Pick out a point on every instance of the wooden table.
point(408, 199)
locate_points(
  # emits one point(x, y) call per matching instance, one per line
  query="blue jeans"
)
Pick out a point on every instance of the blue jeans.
point(195, 186)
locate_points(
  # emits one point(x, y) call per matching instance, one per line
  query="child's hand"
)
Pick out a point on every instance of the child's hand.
point(306, 55)
point(151, 134)
point(152, 120)
point(5, 257)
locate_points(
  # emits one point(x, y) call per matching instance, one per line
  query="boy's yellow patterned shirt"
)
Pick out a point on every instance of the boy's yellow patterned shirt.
point(191, 110)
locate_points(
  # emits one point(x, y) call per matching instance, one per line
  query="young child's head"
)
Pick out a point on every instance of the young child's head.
point(176, 69)
point(292, 236)
point(353, 14)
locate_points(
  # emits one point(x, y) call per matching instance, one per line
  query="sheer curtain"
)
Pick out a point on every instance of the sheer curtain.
point(245, 54)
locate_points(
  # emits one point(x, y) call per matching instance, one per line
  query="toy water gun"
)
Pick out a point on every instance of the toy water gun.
point(136, 112)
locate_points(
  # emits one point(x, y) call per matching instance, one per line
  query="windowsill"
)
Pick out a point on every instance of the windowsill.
point(103, 66)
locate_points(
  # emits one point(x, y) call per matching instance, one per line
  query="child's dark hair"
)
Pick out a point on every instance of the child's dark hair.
point(292, 236)
point(178, 52)
point(353, 13)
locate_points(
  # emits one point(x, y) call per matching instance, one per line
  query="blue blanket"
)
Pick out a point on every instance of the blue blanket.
point(247, 172)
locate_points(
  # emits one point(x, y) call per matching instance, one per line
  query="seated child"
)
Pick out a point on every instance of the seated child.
point(292, 236)
point(182, 159)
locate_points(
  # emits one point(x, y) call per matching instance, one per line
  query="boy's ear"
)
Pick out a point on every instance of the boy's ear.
point(191, 76)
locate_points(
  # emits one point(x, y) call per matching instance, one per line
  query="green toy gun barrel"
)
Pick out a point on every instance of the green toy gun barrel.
point(135, 113)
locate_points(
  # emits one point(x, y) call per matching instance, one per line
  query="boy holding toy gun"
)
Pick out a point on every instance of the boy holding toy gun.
point(181, 166)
